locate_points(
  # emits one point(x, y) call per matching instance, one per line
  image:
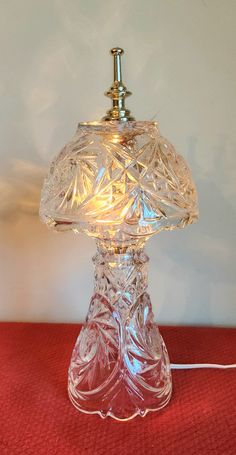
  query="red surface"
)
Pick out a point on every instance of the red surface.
point(36, 416)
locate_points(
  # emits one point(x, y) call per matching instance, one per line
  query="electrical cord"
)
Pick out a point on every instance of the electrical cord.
point(189, 366)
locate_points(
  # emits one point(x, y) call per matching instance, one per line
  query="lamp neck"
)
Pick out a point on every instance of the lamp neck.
point(121, 278)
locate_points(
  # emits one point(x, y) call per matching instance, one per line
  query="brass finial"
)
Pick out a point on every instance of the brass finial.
point(118, 92)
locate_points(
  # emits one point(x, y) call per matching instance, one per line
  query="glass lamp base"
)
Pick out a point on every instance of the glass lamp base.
point(120, 366)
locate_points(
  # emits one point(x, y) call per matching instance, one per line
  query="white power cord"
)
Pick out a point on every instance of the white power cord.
point(189, 366)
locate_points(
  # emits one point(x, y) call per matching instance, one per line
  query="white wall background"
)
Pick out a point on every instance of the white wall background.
point(180, 64)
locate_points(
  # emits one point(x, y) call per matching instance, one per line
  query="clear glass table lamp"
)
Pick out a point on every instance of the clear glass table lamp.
point(119, 181)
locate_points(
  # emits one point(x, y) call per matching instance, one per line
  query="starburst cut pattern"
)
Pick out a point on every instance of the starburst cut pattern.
point(119, 365)
point(117, 183)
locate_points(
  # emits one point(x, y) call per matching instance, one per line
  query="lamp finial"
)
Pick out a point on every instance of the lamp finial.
point(118, 92)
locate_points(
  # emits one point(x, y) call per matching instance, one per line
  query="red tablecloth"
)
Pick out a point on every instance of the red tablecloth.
point(36, 416)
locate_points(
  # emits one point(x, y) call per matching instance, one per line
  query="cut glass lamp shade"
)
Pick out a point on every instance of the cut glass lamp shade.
point(120, 182)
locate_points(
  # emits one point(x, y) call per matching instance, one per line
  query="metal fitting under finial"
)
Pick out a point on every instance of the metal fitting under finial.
point(118, 92)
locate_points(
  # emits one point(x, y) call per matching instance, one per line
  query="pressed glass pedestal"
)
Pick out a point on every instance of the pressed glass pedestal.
point(120, 366)
point(120, 183)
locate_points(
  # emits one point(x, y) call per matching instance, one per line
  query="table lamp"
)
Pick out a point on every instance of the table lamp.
point(119, 181)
